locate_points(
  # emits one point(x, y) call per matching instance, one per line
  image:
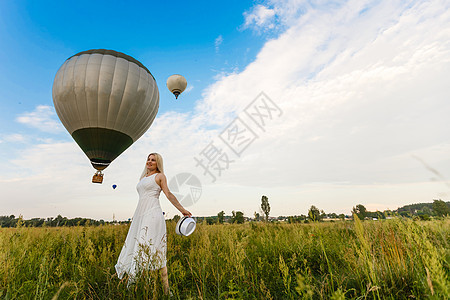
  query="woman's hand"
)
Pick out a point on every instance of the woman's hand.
point(185, 212)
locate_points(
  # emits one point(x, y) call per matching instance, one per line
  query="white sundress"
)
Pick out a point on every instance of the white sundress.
point(146, 243)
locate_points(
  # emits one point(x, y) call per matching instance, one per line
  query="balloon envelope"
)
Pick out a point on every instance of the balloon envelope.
point(114, 186)
point(106, 100)
point(176, 84)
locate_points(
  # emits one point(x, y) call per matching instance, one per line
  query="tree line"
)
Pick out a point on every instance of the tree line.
point(424, 211)
point(12, 221)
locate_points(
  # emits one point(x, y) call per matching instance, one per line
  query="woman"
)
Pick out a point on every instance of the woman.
point(146, 243)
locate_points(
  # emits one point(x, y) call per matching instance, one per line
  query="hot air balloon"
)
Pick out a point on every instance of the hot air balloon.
point(106, 100)
point(176, 84)
point(114, 186)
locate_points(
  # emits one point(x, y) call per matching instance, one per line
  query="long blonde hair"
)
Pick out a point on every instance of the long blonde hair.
point(159, 165)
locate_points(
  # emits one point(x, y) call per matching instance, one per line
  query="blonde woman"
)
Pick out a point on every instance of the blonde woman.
point(146, 243)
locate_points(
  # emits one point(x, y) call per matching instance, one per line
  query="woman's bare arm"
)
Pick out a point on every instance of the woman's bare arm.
point(162, 182)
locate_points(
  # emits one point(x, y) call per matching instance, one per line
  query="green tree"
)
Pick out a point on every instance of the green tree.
point(220, 217)
point(210, 220)
point(237, 217)
point(265, 207)
point(323, 215)
point(405, 214)
point(60, 221)
point(314, 213)
point(360, 211)
point(257, 216)
point(388, 213)
point(380, 215)
point(440, 208)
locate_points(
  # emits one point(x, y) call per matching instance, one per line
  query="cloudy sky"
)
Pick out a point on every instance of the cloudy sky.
point(336, 103)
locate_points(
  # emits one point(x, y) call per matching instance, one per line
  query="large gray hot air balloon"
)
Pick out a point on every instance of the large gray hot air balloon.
point(106, 100)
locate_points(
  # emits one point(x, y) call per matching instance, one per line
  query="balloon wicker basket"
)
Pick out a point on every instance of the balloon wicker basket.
point(98, 177)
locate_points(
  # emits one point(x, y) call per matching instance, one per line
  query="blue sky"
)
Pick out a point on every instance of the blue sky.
point(37, 37)
point(361, 87)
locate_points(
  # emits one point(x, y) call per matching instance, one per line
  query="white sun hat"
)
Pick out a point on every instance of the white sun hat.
point(185, 226)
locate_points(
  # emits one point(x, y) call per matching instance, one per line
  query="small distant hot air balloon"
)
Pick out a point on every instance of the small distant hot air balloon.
point(106, 100)
point(114, 186)
point(176, 84)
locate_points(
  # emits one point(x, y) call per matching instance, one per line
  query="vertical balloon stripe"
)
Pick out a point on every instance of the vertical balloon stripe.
point(86, 63)
point(149, 99)
point(91, 87)
point(95, 63)
point(133, 97)
point(83, 63)
point(129, 98)
point(119, 81)
point(80, 93)
point(68, 96)
point(105, 86)
point(151, 111)
point(104, 93)
point(56, 91)
point(145, 83)
point(57, 87)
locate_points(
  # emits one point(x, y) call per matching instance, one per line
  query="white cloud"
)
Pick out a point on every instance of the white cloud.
point(42, 118)
point(260, 17)
point(14, 138)
point(189, 88)
point(57, 176)
point(368, 79)
point(218, 41)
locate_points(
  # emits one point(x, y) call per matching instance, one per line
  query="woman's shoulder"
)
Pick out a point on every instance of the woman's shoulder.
point(160, 176)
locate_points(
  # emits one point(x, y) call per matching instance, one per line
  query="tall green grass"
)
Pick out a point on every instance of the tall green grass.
point(391, 259)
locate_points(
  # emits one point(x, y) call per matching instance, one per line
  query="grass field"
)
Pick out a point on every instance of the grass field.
point(390, 259)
